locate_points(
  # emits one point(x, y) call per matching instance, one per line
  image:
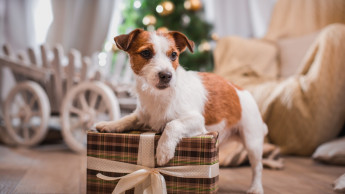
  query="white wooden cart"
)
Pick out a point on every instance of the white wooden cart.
point(49, 88)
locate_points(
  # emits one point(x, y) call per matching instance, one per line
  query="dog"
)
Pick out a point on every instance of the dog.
point(182, 103)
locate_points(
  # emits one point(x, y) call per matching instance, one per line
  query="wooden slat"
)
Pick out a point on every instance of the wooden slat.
point(49, 84)
point(73, 56)
point(7, 50)
point(25, 61)
point(8, 53)
point(32, 57)
point(57, 68)
point(20, 68)
point(84, 69)
point(23, 57)
point(97, 76)
point(44, 56)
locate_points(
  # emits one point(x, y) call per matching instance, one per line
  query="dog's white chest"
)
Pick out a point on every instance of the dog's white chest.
point(155, 113)
point(187, 96)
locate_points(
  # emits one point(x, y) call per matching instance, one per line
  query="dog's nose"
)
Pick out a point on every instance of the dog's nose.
point(165, 76)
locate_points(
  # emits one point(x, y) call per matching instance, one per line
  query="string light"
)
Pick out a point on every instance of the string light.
point(159, 9)
point(137, 4)
point(193, 5)
point(149, 20)
point(165, 8)
point(102, 59)
point(108, 46)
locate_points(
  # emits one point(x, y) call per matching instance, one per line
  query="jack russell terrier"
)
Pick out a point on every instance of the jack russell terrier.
point(183, 103)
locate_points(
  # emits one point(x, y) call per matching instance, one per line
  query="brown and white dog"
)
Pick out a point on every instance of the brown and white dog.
point(183, 103)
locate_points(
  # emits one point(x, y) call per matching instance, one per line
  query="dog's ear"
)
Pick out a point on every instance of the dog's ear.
point(182, 41)
point(124, 41)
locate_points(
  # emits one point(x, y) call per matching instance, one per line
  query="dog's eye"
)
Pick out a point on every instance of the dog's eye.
point(146, 54)
point(173, 56)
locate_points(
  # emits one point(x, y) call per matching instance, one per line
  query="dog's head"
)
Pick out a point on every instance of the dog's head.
point(154, 56)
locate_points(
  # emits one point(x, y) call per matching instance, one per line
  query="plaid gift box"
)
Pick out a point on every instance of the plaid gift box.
point(124, 147)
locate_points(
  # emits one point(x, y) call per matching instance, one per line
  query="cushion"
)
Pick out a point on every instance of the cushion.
point(241, 60)
point(292, 52)
point(332, 152)
point(339, 184)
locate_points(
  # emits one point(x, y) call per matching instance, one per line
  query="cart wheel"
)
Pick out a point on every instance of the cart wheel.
point(27, 112)
point(84, 105)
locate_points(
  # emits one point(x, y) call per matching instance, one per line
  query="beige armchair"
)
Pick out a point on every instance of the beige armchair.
point(296, 72)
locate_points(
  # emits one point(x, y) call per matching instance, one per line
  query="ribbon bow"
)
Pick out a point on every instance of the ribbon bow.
point(145, 177)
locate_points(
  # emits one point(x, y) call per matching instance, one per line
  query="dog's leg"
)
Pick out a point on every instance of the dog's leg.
point(253, 140)
point(174, 131)
point(126, 123)
point(252, 132)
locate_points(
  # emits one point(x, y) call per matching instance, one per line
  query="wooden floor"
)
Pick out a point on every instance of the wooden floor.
point(53, 168)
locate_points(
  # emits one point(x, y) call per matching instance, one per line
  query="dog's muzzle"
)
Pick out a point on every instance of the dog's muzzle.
point(164, 79)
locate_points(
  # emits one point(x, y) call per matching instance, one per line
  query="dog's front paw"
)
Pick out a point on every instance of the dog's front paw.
point(256, 190)
point(164, 153)
point(105, 126)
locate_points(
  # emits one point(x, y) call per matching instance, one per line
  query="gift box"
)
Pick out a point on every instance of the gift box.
point(118, 162)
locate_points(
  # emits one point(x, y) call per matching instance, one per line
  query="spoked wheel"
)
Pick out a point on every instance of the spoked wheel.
point(84, 105)
point(27, 112)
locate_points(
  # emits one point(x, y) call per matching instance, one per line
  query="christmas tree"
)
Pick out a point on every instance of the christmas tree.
point(185, 16)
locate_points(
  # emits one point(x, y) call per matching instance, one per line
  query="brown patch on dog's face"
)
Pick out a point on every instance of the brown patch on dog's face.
point(141, 52)
point(181, 41)
point(137, 45)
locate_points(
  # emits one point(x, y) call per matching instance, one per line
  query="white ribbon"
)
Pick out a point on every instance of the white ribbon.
point(138, 174)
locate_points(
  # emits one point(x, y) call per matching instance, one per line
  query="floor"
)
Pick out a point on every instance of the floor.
point(53, 168)
point(300, 176)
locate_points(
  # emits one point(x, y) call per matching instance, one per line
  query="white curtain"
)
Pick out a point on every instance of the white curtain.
point(20, 29)
point(80, 24)
point(17, 23)
point(246, 18)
